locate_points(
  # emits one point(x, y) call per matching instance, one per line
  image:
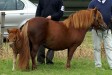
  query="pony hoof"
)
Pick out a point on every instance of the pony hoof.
point(13, 69)
point(33, 68)
point(67, 66)
point(27, 68)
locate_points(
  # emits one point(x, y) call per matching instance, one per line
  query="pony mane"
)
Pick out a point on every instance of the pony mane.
point(80, 19)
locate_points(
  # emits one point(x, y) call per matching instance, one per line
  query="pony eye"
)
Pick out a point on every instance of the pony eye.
point(99, 17)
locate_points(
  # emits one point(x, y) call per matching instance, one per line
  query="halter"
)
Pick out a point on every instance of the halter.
point(100, 27)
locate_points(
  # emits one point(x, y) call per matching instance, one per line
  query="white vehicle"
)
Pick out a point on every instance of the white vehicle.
point(17, 12)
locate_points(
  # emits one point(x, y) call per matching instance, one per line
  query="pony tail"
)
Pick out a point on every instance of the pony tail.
point(25, 53)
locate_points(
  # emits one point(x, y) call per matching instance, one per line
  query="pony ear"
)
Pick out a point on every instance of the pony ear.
point(8, 30)
point(17, 30)
point(95, 10)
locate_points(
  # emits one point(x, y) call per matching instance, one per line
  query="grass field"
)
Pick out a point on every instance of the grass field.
point(81, 64)
point(78, 67)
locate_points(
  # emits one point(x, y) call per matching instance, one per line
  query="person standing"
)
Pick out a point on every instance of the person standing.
point(105, 7)
point(51, 9)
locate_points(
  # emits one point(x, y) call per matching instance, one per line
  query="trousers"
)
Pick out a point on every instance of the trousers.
point(41, 55)
point(98, 37)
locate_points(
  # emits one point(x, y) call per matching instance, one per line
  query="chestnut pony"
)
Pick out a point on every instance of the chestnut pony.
point(55, 35)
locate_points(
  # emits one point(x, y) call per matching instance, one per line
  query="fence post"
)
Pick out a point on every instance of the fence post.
point(2, 14)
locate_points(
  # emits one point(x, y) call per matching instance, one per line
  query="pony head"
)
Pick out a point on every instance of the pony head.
point(98, 20)
point(13, 35)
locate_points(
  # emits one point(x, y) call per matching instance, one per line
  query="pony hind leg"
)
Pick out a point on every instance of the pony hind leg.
point(70, 55)
point(33, 55)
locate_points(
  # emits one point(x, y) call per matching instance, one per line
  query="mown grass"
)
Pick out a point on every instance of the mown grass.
point(81, 64)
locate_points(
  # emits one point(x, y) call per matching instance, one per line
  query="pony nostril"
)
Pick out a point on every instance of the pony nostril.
point(103, 27)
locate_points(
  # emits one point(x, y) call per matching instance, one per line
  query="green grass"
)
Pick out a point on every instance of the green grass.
point(81, 66)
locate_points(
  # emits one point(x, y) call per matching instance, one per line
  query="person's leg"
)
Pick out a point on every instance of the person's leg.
point(108, 47)
point(41, 55)
point(49, 57)
point(97, 47)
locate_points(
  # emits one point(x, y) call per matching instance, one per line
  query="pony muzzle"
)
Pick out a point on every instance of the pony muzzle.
point(104, 27)
point(11, 44)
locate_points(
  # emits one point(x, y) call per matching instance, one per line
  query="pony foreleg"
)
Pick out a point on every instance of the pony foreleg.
point(14, 61)
point(70, 55)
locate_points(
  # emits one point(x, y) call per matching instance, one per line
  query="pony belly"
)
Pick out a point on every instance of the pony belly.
point(56, 45)
point(55, 48)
